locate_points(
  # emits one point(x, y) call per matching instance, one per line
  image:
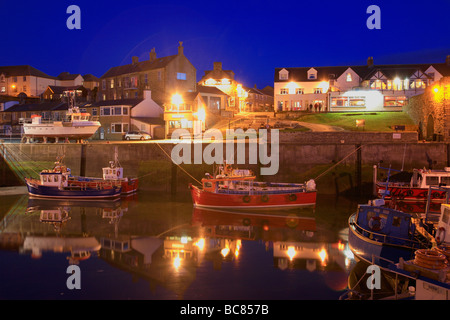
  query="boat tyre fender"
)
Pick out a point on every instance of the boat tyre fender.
point(440, 235)
point(409, 193)
point(436, 195)
point(375, 223)
point(265, 198)
point(246, 199)
point(430, 259)
point(423, 194)
point(292, 197)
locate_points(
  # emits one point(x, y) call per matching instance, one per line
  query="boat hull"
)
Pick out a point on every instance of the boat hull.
point(71, 193)
point(206, 199)
point(373, 251)
point(58, 130)
point(406, 193)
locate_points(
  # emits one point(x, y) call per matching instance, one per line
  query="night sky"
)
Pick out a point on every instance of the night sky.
point(252, 38)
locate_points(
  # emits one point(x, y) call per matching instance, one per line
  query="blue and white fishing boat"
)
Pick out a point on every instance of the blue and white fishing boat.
point(59, 183)
point(382, 235)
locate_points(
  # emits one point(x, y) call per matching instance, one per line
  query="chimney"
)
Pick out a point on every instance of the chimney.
point(447, 61)
point(370, 62)
point(153, 55)
point(180, 48)
point(134, 60)
point(217, 65)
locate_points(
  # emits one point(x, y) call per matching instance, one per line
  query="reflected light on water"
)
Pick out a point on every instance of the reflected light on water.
point(323, 256)
point(177, 262)
point(291, 253)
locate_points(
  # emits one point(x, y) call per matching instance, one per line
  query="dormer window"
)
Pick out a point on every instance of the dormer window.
point(283, 74)
point(312, 74)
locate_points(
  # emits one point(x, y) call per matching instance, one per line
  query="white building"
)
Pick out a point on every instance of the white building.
point(353, 88)
point(17, 79)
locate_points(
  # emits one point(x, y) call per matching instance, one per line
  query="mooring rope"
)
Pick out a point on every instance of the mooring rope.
point(164, 151)
point(326, 171)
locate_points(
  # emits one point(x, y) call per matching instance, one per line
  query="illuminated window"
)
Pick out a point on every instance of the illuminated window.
point(317, 90)
point(393, 101)
point(112, 83)
point(299, 91)
point(349, 77)
point(2, 89)
point(284, 91)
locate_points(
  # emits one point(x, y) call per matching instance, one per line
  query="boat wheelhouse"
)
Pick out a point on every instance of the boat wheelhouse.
point(238, 190)
point(415, 186)
point(382, 235)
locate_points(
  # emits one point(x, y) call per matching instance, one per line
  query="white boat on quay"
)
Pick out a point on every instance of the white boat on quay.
point(76, 125)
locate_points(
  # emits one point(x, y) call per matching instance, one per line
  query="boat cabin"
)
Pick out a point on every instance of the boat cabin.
point(112, 172)
point(226, 183)
point(434, 178)
point(385, 221)
point(54, 179)
point(443, 228)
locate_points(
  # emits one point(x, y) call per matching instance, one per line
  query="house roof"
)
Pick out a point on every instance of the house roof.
point(119, 102)
point(139, 66)
point(68, 76)
point(90, 77)
point(150, 120)
point(218, 74)
point(23, 70)
point(365, 72)
point(44, 106)
point(211, 90)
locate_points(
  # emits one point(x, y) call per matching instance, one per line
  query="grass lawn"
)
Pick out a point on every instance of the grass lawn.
point(374, 121)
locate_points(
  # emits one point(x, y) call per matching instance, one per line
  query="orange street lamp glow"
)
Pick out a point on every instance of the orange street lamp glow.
point(177, 99)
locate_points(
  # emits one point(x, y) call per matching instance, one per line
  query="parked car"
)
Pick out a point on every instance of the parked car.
point(137, 135)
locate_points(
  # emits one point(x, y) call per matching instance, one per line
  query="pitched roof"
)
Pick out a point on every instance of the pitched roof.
point(150, 120)
point(211, 90)
point(44, 106)
point(138, 67)
point(23, 70)
point(68, 76)
point(90, 77)
point(120, 102)
point(365, 72)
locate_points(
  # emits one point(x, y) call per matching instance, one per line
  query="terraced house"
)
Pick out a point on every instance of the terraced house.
point(163, 76)
point(354, 88)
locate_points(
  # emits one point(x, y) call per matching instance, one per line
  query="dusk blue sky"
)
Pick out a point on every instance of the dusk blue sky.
point(252, 38)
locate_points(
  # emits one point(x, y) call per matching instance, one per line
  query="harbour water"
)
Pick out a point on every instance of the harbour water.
point(155, 247)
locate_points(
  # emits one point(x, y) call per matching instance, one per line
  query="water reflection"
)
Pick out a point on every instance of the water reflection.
point(187, 251)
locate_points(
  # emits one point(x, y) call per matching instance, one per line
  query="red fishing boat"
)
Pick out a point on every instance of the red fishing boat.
point(237, 189)
point(114, 174)
point(414, 186)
